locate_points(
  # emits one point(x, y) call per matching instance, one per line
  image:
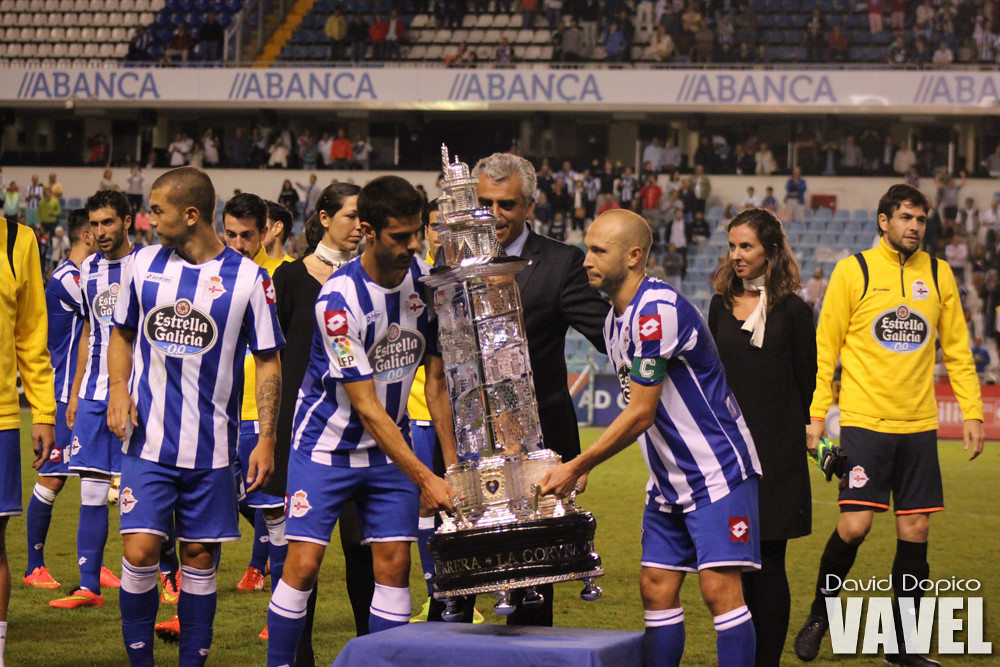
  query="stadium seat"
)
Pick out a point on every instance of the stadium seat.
point(420, 21)
point(40, 19)
point(91, 50)
point(27, 34)
point(29, 50)
point(516, 21)
point(43, 34)
point(75, 50)
point(524, 36)
point(459, 36)
point(532, 53)
point(501, 21)
point(476, 36)
point(119, 35)
point(541, 37)
point(823, 214)
point(417, 52)
point(131, 19)
point(861, 215)
point(59, 49)
point(115, 19)
point(87, 34)
point(841, 216)
point(469, 21)
point(484, 21)
point(84, 19)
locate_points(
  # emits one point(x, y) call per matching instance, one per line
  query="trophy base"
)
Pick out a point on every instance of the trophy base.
point(517, 555)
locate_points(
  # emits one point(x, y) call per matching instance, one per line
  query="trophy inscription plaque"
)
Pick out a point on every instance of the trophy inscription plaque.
point(503, 535)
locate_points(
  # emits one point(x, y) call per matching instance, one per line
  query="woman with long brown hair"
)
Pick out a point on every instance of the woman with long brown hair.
point(767, 342)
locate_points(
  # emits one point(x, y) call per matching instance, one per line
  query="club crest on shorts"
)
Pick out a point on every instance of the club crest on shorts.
point(298, 504)
point(126, 500)
point(739, 529)
point(75, 446)
point(857, 478)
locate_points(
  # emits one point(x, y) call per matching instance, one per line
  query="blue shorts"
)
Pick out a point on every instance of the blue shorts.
point(58, 462)
point(248, 440)
point(202, 501)
point(388, 502)
point(725, 533)
point(424, 440)
point(10, 472)
point(94, 447)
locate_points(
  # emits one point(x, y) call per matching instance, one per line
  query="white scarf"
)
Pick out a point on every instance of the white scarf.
point(758, 318)
point(331, 257)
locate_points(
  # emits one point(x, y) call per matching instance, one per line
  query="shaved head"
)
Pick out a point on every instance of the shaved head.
point(617, 243)
point(625, 228)
point(189, 187)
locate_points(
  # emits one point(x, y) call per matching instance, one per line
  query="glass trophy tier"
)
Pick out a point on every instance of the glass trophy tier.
point(503, 535)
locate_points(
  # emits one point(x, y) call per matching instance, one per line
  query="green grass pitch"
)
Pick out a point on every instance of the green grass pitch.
point(965, 543)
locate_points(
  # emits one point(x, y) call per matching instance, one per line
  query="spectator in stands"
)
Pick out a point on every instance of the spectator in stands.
point(588, 14)
point(212, 36)
point(851, 157)
point(677, 237)
point(11, 201)
point(134, 189)
point(553, 13)
point(653, 268)
point(107, 181)
point(746, 23)
point(989, 222)
point(626, 188)
point(699, 231)
point(180, 150)
point(986, 40)
point(943, 57)
point(948, 197)
point(923, 18)
point(289, 198)
point(362, 150)
point(815, 39)
point(980, 356)
point(454, 54)
point(32, 195)
point(956, 253)
point(138, 46)
point(377, 33)
point(560, 200)
point(992, 163)
point(888, 156)
point(920, 52)
point(615, 44)
point(557, 228)
point(795, 196)
point(258, 149)
point(211, 147)
point(529, 12)
point(394, 36)
point(649, 200)
point(308, 148)
point(903, 160)
point(607, 203)
point(505, 53)
point(875, 10)
point(180, 45)
point(335, 29)
point(837, 44)
point(49, 211)
point(54, 184)
point(763, 56)
point(238, 149)
point(310, 194)
point(100, 151)
point(655, 154)
point(769, 202)
point(357, 37)
point(897, 53)
point(968, 219)
point(573, 44)
point(673, 264)
point(749, 201)
point(870, 144)
point(568, 176)
point(745, 54)
point(815, 290)
point(764, 164)
point(704, 42)
point(278, 154)
point(701, 184)
point(341, 150)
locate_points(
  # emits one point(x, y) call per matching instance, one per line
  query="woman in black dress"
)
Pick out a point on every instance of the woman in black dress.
point(289, 198)
point(332, 236)
point(767, 342)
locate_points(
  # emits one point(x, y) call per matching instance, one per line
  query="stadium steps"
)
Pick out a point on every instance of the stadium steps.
point(284, 32)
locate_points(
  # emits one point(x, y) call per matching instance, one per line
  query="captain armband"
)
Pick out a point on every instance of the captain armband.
point(649, 371)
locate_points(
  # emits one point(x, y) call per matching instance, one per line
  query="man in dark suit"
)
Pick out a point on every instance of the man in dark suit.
point(555, 296)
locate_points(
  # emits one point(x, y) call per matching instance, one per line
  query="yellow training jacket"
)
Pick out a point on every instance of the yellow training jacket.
point(249, 411)
point(885, 335)
point(416, 404)
point(23, 329)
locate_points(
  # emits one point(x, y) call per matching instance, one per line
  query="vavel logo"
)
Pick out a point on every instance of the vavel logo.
point(179, 329)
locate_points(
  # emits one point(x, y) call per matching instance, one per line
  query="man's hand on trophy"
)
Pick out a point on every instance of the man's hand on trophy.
point(435, 495)
point(560, 481)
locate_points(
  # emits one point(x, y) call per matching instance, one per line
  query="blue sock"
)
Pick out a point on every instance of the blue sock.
point(258, 554)
point(277, 546)
point(663, 641)
point(92, 533)
point(426, 529)
point(39, 518)
point(196, 609)
point(138, 602)
point(286, 619)
point(390, 608)
point(736, 641)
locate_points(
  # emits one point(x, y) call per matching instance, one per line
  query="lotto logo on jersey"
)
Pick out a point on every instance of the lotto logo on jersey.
point(268, 291)
point(336, 322)
point(55, 455)
point(126, 500)
point(179, 329)
point(104, 304)
point(298, 504)
point(739, 529)
point(650, 327)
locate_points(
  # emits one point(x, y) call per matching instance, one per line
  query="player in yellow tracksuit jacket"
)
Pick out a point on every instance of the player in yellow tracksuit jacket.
point(24, 348)
point(883, 310)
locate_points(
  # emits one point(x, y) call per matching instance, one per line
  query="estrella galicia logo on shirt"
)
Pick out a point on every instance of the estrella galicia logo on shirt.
point(179, 329)
point(625, 382)
point(104, 303)
point(396, 353)
point(901, 329)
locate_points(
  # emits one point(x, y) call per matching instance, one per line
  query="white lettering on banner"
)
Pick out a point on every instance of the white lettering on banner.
point(317, 85)
point(88, 84)
point(956, 89)
point(756, 89)
point(568, 87)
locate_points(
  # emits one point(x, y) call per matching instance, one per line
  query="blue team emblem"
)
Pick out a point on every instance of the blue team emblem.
point(901, 329)
point(396, 354)
point(104, 303)
point(179, 329)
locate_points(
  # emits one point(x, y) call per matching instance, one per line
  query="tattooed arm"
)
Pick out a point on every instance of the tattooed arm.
point(268, 393)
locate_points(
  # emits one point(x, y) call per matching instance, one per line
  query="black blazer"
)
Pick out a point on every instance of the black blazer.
point(555, 296)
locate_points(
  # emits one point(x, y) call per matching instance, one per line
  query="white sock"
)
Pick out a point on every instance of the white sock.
point(3, 639)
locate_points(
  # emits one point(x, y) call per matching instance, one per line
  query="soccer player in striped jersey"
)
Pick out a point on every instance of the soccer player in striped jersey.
point(186, 313)
point(95, 454)
point(64, 302)
point(351, 431)
point(701, 499)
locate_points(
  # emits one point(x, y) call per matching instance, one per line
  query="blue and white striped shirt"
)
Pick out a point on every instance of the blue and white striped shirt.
point(64, 302)
point(193, 324)
point(364, 331)
point(100, 280)
point(699, 448)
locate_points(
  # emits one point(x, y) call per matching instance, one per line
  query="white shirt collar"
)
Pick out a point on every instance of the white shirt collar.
point(516, 246)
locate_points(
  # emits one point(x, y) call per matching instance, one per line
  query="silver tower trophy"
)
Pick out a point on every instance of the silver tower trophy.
point(503, 534)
